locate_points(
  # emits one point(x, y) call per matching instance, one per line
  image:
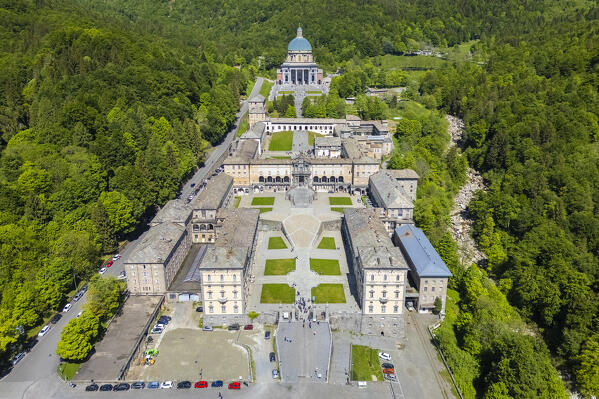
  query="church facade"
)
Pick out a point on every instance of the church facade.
point(299, 67)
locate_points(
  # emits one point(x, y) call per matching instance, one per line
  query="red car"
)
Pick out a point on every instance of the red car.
point(109, 263)
point(234, 385)
point(201, 384)
point(248, 327)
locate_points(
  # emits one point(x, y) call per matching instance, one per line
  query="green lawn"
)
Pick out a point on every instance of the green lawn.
point(313, 92)
point(365, 364)
point(237, 201)
point(328, 293)
point(284, 93)
point(281, 141)
point(327, 243)
point(265, 89)
point(67, 370)
point(280, 157)
point(264, 210)
point(276, 243)
point(340, 201)
point(311, 136)
point(336, 209)
point(279, 267)
point(417, 61)
point(277, 293)
point(244, 125)
point(326, 267)
point(263, 201)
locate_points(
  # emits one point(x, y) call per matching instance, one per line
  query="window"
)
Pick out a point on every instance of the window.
point(397, 278)
point(370, 309)
point(211, 309)
point(385, 277)
point(235, 294)
point(235, 277)
point(222, 277)
point(433, 289)
point(223, 309)
point(384, 294)
point(209, 294)
point(372, 294)
point(395, 309)
point(155, 273)
point(133, 274)
point(208, 277)
point(383, 309)
point(396, 294)
point(145, 274)
point(222, 294)
point(372, 277)
point(425, 289)
point(236, 309)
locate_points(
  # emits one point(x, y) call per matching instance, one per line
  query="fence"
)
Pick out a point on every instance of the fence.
point(436, 342)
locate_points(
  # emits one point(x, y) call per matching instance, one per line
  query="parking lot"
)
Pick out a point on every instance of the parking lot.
point(192, 354)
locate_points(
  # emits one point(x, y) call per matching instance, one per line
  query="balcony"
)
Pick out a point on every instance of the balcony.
point(222, 300)
point(383, 300)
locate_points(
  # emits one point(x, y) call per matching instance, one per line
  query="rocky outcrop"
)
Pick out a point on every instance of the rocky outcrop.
point(461, 219)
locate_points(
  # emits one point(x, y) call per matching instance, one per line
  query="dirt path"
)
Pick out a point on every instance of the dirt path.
point(461, 221)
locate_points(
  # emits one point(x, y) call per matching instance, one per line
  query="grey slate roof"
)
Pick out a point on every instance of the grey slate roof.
point(224, 258)
point(314, 121)
point(258, 98)
point(381, 258)
point(351, 148)
point(391, 193)
point(158, 243)
point(175, 211)
point(247, 149)
point(327, 141)
point(403, 173)
point(420, 252)
point(213, 195)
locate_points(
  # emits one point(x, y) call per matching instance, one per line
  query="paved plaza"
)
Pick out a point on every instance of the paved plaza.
point(304, 349)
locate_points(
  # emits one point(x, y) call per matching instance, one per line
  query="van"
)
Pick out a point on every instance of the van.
point(362, 384)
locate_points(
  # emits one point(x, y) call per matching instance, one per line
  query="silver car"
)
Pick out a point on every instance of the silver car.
point(275, 374)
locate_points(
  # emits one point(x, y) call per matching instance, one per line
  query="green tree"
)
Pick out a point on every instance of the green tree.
point(77, 337)
point(290, 113)
point(587, 369)
point(438, 305)
point(103, 296)
point(119, 210)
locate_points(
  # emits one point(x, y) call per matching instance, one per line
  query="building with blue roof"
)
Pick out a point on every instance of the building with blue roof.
point(427, 270)
point(299, 67)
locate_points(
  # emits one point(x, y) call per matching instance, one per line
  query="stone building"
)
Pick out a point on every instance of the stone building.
point(256, 110)
point(379, 268)
point(223, 267)
point(389, 195)
point(204, 206)
point(329, 147)
point(427, 270)
point(153, 264)
point(299, 67)
point(408, 179)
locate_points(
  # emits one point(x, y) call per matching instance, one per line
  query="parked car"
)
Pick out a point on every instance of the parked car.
point(234, 385)
point(248, 327)
point(184, 385)
point(18, 358)
point(55, 318)
point(164, 317)
point(166, 385)
point(109, 263)
point(106, 387)
point(138, 385)
point(103, 270)
point(92, 388)
point(272, 357)
point(43, 331)
point(216, 384)
point(192, 185)
point(388, 371)
point(123, 386)
point(116, 257)
point(153, 385)
point(233, 327)
point(199, 309)
point(267, 335)
point(78, 296)
point(122, 275)
point(79, 314)
point(410, 306)
point(157, 330)
point(67, 307)
point(390, 377)
point(387, 366)
point(159, 325)
point(201, 384)
point(385, 356)
point(275, 374)
point(207, 328)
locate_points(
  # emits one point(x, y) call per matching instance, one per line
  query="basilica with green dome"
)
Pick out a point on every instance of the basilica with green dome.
point(299, 67)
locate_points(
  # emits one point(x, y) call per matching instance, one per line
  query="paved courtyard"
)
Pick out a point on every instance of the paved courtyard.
point(304, 349)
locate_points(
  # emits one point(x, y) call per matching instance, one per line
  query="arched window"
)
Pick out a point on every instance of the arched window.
point(340, 179)
point(278, 179)
point(286, 179)
point(332, 179)
point(324, 179)
point(269, 179)
point(316, 180)
point(261, 179)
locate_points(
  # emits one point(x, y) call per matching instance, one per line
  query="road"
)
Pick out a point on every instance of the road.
point(36, 373)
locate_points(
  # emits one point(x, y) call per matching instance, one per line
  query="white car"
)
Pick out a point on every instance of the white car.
point(410, 306)
point(385, 356)
point(43, 331)
point(122, 275)
point(103, 270)
point(116, 257)
point(157, 330)
point(67, 307)
point(166, 385)
point(79, 314)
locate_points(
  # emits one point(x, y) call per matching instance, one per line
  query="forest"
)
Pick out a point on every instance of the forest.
point(107, 106)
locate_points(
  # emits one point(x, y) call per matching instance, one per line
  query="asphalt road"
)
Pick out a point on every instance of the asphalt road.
point(35, 375)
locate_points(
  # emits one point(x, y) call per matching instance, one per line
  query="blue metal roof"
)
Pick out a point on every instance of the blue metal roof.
point(420, 252)
point(299, 44)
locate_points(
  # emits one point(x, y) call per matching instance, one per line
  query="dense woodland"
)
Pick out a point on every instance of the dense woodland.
point(106, 106)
